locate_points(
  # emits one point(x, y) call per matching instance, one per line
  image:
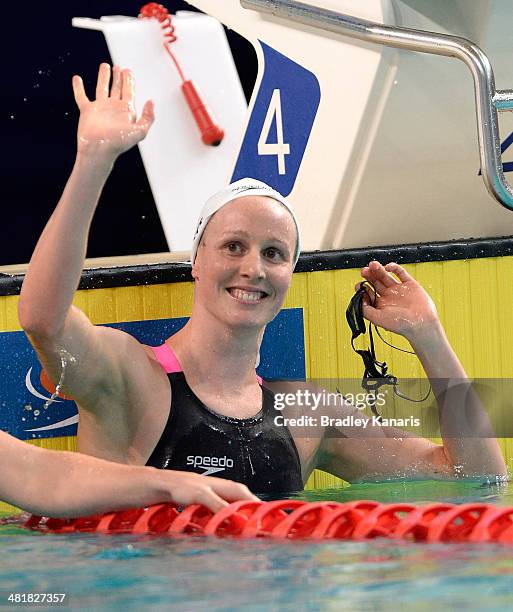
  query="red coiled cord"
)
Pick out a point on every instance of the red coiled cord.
point(211, 133)
point(295, 519)
point(152, 9)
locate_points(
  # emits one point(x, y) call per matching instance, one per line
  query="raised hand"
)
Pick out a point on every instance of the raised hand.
point(402, 306)
point(109, 125)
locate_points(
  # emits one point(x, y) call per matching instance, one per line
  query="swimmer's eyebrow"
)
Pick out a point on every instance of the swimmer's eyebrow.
point(244, 234)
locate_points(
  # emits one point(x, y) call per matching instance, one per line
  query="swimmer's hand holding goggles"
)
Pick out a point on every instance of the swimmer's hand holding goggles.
point(376, 372)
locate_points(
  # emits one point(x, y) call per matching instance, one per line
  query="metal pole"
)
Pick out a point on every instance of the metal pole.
point(488, 99)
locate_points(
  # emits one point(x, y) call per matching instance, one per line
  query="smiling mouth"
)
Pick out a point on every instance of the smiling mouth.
point(248, 297)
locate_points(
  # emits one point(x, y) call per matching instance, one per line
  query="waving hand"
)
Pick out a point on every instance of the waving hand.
point(109, 125)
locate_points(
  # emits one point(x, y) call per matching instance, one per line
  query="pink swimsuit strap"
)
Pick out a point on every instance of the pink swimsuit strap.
point(167, 359)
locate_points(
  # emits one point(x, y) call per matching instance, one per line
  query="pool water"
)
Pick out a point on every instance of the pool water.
point(190, 573)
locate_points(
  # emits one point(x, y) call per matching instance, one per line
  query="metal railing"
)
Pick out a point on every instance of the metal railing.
point(488, 99)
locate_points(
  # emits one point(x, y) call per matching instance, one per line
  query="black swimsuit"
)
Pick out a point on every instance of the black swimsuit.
point(253, 451)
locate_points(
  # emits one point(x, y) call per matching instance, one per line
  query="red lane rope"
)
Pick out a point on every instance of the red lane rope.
point(267, 516)
point(341, 522)
point(456, 524)
point(382, 521)
point(295, 519)
point(415, 525)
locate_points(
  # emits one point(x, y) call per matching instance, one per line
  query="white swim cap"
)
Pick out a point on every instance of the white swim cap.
point(243, 187)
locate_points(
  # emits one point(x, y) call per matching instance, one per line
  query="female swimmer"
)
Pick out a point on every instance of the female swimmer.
point(195, 403)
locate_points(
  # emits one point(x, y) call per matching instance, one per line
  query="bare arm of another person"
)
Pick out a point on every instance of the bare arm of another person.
point(469, 446)
point(64, 484)
point(108, 126)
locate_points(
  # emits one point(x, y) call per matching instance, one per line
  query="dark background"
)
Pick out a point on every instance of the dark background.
point(41, 52)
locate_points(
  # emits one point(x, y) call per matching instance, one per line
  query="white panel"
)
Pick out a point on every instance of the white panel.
point(182, 171)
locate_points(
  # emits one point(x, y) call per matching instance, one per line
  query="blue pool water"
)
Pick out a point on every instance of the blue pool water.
point(160, 573)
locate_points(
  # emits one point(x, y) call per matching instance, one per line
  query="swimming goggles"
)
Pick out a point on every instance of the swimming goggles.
point(376, 373)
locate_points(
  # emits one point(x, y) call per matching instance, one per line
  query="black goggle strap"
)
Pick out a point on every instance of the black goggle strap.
point(374, 377)
point(375, 374)
point(392, 380)
point(354, 311)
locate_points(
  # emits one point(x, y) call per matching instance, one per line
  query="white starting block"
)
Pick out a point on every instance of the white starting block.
point(182, 171)
point(377, 146)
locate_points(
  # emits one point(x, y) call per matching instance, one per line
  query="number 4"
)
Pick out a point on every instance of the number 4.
point(279, 148)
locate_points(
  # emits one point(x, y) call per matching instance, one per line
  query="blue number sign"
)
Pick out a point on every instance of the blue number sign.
point(280, 124)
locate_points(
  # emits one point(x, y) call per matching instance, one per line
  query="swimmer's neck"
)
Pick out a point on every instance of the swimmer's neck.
point(209, 350)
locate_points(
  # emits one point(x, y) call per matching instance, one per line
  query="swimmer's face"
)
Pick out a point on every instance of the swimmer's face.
point(243, 267)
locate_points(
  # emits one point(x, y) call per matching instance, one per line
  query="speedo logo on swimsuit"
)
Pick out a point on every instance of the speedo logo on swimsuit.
point(211, 465)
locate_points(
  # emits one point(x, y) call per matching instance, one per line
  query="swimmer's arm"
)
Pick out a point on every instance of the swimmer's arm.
point(107, 128)
point(65, 484)
point(469, 443)
point(98, 361)
point(380, 454)
point(403, 306)
point(377, 452)
point(373, 452)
